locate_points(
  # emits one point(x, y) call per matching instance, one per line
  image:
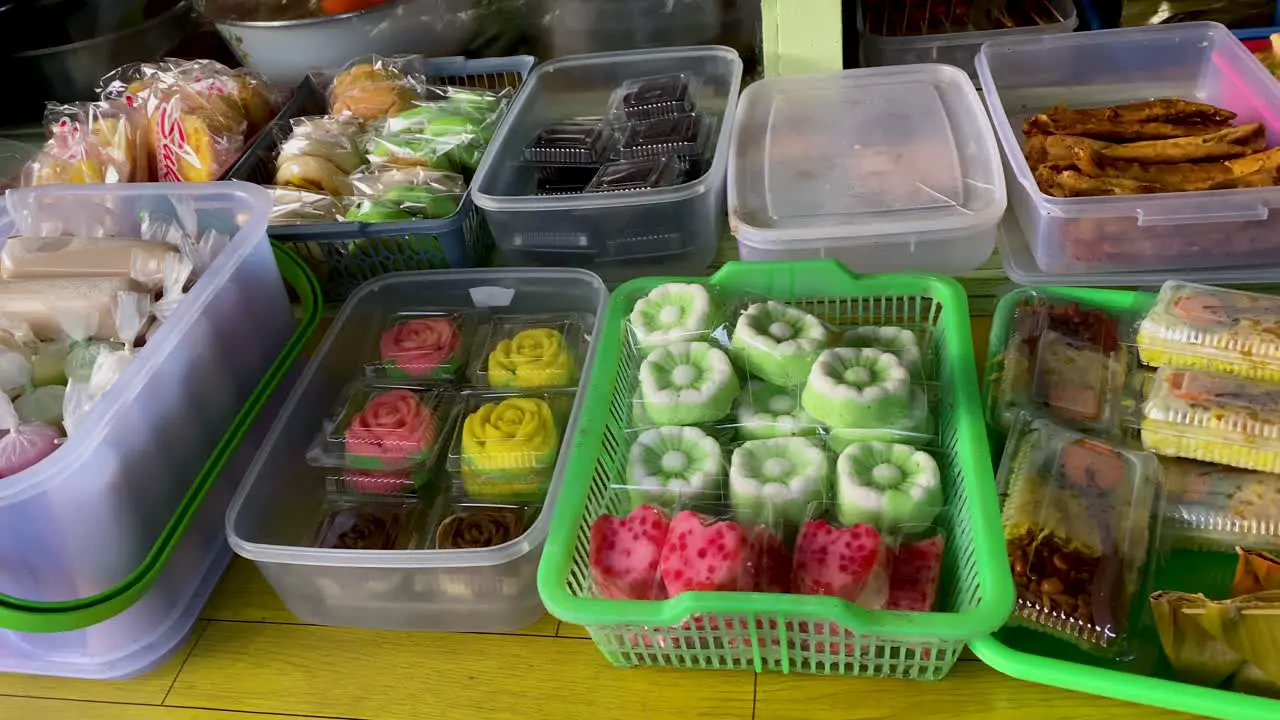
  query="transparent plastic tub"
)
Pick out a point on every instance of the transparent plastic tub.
point(619, 235)
point(82, 520)
point(959, 48)
point(1165, 231)
point(884, 169)
point(272, 521)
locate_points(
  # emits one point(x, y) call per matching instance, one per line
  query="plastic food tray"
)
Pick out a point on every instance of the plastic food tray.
point(1184, 231)
point(1028, 656)
point(792, 632)
point(618, 235)
point(81, 521)
point(959, 49)
point(131, 628)
point(345, 254)
point(921, 189)
point(272, 520)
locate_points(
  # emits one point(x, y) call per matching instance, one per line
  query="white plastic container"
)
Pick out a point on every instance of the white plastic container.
point(959, 48)
point(619, 235)
point(885, 169)
point(82, 520)
point(1165, 231)
point(273, 519)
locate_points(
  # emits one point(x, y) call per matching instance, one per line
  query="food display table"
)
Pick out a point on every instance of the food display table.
point(249, 658)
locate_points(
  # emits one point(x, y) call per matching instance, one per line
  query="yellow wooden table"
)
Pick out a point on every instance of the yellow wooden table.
point(250, 659)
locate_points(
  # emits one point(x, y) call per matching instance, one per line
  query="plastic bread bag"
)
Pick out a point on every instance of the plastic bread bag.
point(389, 194)
point(91, 142)
point(373, 88)
point(24, 444)
point(41, 303)
point(1203, 327)
point(27, 258)
point(132, 310)
point(460, 119)
point(320, 153)
point(1077, 514)
point(294, 205)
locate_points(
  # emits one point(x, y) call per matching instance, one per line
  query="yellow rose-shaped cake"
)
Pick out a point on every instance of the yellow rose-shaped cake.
point(509, 449)
point(533, 358)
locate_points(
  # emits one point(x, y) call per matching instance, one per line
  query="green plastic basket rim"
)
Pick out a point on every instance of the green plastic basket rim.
point(1105, 682)
point(992, 563)
point(65, 615)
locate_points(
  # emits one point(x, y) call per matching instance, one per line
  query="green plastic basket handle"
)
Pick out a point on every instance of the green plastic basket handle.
point(65, 615)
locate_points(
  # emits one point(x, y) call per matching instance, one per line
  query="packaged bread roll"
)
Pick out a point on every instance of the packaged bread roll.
point(371, 90)
point(40, 303)
point(27, 258)
point(91, 142)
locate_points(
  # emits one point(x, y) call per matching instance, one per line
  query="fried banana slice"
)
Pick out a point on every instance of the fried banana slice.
point(1077, 184)
point(1232, 142)
point(1258, 161)
point(1168, 110)
point(1102, 129)
point(1177, 175)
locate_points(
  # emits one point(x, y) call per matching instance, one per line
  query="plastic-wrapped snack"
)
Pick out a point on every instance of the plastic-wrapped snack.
point(887, 485)
point(673, 466)
point(774, 480)
point(482, 526)
point(27, 258)
point(849, 562)
point(467, 115)
point(23, 444)
point(571, 142)
point(1214, 417)
point(130, 314)
point(644, 174)
point(1209, 328)
point(687, 384)
point(653, 97)
point(901, 342)
point(320, 153)
point(916, 571)
point(292, 205)
point(391, 194)
point(40, 303)
point(684, 136)
point(528, 352)
point(508, 445)
point(778, 343)
point(1256, 571)
point(91, 142)
point(1218, 507)
point(625, 553)
point(42, 404)
point(1063, 360)
point(371, 90)
point(423, 345)
point(768, 411)
point(1077, 518)
point(383, 426)
point(195, 134)
point(368, 525)
point(454, 146)
point(866, 394)
point(674, 312)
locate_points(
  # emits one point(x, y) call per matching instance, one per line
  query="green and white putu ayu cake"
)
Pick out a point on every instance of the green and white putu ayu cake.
point(865, 394)
point(671, 313)
point(774, 480)
point(887, 485)
point(902, 342)
point(778, 343)
point(768, 411)
point(671, 465)
point(687, 384)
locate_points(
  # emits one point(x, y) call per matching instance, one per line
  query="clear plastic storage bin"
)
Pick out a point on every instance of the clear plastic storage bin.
point(82, 520)
point(272, 521)
point(957, 48)
point(619, 235)
point(1166, 231)
point(884, 169)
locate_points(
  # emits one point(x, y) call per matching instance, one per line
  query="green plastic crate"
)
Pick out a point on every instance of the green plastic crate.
point(1035, 657)
point(66, 615)
point(793, 632)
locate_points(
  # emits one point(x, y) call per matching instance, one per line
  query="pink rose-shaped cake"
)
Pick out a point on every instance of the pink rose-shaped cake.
point(421, 348)
point(393, 430)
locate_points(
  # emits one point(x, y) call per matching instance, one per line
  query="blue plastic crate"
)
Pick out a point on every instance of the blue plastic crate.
point(343, 255)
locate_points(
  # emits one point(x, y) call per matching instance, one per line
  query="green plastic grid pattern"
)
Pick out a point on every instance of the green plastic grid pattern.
point(1022, 663)
point(793, 633)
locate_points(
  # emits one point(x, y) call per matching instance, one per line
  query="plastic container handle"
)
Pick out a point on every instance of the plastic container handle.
point(1249, 214)
point(66, 615)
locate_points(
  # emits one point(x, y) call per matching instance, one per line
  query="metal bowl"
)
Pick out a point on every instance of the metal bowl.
point(286, 50)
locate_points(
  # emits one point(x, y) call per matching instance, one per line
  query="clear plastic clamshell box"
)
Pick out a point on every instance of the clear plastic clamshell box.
point(428, 586)
point(960, 49)
point(619, 235)
point(1214, 417)
point(1199, 326)
point(82, 522)
point(884, 169)
point(1189, 231)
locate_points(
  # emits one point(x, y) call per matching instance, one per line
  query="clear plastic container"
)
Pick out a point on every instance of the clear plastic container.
point(82, 520)
point(274, 519)
point(959, 48)
point(884, 169)
point(1198, 326)
point(1021, 267)
point(1166, 231)
point(1213, 417)
point(620, 235)
point(1215, 507)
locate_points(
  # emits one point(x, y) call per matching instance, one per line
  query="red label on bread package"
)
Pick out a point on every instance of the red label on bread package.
point(171, 141)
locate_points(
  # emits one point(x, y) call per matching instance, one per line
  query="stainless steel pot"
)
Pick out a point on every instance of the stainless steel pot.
point(286, 50)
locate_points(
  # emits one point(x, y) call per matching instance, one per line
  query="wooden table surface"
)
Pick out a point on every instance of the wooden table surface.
point(249, 658)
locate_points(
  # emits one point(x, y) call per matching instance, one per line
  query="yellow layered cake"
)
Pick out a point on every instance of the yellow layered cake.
point(1214, 417)
point(1202, 327)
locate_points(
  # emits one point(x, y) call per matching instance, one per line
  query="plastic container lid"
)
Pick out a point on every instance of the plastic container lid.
point(861, 154)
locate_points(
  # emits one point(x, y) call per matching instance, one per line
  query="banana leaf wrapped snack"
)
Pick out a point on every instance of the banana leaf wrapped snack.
point(1212, 642)
point(1077, 519)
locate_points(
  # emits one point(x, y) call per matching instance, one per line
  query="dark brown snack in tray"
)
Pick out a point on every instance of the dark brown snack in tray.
point(480, 527)
point(367, 526)
point(1149, 119)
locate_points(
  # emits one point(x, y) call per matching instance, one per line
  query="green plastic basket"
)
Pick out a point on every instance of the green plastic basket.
point(1028, 655)
point(66, 615)
point(792, 632)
